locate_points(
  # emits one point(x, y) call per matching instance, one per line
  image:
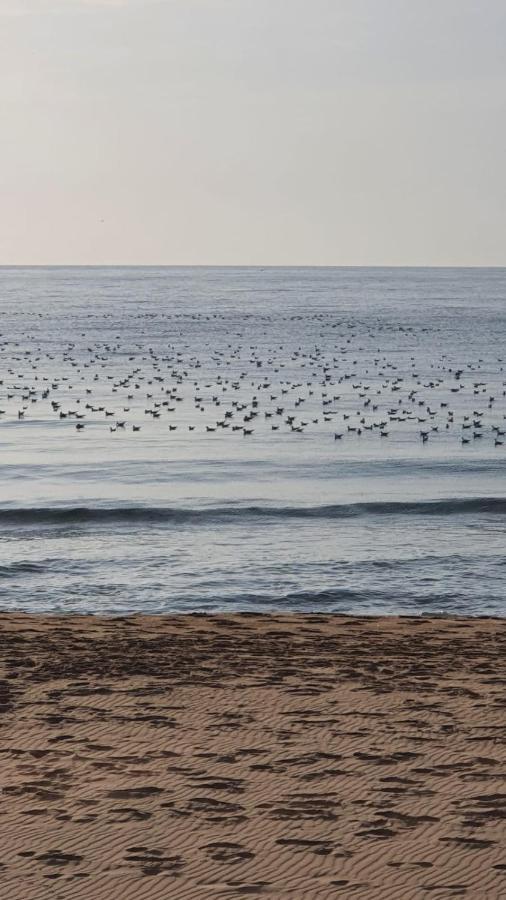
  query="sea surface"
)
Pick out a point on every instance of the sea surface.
point(201, 439)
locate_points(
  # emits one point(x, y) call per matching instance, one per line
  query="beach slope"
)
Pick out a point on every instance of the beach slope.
point(298, 756)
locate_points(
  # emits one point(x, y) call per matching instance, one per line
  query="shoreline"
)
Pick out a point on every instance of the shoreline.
point(307, 756)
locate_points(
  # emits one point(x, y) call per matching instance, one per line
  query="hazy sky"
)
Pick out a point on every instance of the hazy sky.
point(253, 131)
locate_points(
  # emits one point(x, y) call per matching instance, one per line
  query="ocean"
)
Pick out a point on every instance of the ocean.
point(295, 439)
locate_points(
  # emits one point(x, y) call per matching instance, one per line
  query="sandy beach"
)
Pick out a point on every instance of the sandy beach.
point(298, 756)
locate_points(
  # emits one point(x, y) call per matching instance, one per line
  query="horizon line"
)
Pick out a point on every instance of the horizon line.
point(250, 266)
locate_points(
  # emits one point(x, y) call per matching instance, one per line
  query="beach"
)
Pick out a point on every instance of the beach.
point(252, 450)
point(283, 755)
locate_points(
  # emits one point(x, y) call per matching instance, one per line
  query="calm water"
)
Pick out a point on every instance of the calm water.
point(189, 512)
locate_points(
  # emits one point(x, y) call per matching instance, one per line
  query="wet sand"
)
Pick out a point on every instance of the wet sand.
point(293, 756)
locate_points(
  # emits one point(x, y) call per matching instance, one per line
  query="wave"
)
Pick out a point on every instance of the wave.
point(83, 515)
point(21, 568)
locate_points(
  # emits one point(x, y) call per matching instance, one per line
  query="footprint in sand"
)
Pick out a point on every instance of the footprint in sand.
point(58, 858)
point(153, 862)
point(227, 852)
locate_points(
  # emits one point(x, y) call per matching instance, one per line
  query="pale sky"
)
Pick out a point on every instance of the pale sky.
point(309, 132)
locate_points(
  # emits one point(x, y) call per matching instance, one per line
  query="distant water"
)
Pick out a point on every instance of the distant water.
point(176, 517)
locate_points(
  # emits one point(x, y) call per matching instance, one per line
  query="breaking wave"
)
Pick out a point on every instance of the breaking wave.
point(84, 515)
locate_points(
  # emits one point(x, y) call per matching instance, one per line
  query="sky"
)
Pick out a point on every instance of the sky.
point(253, 132)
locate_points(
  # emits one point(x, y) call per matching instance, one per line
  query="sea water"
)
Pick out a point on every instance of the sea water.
point(145, 465)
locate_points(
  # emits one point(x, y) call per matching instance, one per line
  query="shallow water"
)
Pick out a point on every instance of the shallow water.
point(176, 519)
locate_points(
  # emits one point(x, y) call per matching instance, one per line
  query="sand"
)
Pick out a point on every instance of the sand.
point(293, 756)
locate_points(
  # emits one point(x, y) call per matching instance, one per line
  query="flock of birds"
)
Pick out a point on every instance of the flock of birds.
point(338, 388)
